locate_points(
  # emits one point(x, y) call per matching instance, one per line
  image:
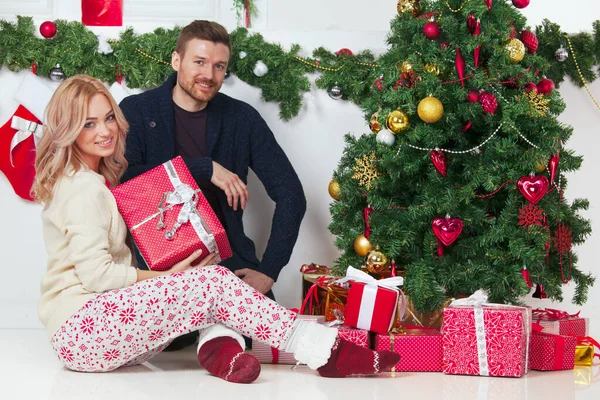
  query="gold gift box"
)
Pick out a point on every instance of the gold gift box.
point(584, 354)
point(329, 297)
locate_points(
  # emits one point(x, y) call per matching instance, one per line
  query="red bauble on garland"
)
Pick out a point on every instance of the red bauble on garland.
point(48, 29)
point(488, 102)
point(473, 96)
point(530, 41)
point(545, 86)
point(432, 30)
point(531, 87)
point(344, 51)
point(520, 3)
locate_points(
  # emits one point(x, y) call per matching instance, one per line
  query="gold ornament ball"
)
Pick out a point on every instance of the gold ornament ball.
point(374, 124)
point(398, 121)
point(377, 262)
point(430, 109)
point(408, 6)
point(516, 50)
point(404, 67)
point(539, 166)
point(335, 189)
point(432, 69)
point(362, 246)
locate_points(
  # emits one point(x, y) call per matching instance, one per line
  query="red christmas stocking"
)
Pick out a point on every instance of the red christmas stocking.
point(17, 150)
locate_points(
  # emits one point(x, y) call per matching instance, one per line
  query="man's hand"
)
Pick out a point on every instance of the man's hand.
point(257, 280)
point(231, 184)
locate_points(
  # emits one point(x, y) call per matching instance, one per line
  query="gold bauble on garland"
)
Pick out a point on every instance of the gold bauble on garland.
point(374, 124)
point(335, 189)
point(516, 50)
point(377, 262)
point(430, 109)
point(362, 246)
point(397, 121)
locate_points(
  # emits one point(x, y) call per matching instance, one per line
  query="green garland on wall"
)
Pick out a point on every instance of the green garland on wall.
point(144, 59)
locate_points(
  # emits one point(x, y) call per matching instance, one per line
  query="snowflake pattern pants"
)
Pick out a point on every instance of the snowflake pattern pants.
point(129, 326)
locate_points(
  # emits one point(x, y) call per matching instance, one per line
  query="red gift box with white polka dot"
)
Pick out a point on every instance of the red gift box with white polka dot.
point(138, 201)
point(552, 352)
point(420, 349)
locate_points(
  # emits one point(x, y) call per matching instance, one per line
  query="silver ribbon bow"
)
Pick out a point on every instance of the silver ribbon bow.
point(183, 194)
point(24, 129)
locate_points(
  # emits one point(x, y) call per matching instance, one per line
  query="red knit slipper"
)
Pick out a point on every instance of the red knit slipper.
point(350, 359)
point(225, 358)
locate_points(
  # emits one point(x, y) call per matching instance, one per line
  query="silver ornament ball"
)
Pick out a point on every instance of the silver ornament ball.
point(335, 91)
point(561, 54)
point(57, 74)
point(260, 69)
point(385, 137)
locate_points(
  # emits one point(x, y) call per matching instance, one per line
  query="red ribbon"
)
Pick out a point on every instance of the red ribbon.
point(313, 268)
point(119, 76)
point(247, 13)
point(313, 294)
point(34, 67)
point(588, 341)
point(275, 355)
point(366, 212)
point(553, 314)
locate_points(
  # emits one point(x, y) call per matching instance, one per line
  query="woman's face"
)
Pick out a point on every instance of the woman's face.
point(100, 132)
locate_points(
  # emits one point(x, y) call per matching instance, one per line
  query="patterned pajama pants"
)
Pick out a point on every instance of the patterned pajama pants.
point(129, 326)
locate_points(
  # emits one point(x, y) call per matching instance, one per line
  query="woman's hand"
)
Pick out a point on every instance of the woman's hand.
point(187, 263)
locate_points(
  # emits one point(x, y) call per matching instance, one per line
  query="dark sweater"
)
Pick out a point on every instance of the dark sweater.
point(237, 138)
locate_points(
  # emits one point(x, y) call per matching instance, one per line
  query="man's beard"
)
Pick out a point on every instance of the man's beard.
point(202, 96)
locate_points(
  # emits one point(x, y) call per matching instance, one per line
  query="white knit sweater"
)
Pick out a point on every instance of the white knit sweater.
point(85, 240)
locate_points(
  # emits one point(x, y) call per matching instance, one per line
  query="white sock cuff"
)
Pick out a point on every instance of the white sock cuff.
point(312, 343)
point(220, 330)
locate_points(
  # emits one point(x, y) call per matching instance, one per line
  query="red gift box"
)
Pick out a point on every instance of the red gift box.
point(557, 322)
point(357, 336)
point(420, 349)
point(486, 339)
point(183, 223)
point(371, 303)
point(266, 354)
point(552, 352)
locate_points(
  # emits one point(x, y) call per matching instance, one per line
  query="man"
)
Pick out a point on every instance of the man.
point(219, 138)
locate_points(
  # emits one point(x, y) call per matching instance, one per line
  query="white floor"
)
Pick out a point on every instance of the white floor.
point(29, 370)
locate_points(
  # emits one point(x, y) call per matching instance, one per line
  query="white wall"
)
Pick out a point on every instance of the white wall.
point(313, 140)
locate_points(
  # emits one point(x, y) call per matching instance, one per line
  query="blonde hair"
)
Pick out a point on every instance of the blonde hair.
point(65, 119)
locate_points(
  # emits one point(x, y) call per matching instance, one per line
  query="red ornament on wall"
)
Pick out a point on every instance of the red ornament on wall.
point(102, 12)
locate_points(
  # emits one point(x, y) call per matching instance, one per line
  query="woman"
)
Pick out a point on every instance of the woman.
point(100, 311)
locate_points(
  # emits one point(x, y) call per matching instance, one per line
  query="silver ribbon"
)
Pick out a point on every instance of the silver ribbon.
point(478, 300)
point(24, 129)
point(187, 197)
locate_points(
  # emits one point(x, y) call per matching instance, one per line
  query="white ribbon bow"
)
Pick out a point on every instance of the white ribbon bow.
point(24, 129)
point(183, 194)
point(353, 274)
point(477, 299)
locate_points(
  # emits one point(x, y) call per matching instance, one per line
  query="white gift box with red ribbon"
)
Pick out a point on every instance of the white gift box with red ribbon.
point(371, 303)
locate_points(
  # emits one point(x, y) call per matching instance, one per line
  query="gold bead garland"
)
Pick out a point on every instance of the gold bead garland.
point(580, 74)
point(458, 9)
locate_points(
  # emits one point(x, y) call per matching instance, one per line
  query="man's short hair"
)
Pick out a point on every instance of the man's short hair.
point(204, 30)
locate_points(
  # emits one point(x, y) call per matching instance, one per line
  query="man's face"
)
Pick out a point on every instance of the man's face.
point(201, 69)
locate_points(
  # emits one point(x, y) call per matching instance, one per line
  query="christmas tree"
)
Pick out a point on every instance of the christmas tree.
point(461, 181)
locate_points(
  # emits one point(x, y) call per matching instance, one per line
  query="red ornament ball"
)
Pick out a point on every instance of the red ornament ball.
point(530, 41)
point(488, 102)
point(432, 30)
point(531, 87)
point(545, 86)
point(520, 3)
point(48, 29)
point(473, 96)
point(344, 51)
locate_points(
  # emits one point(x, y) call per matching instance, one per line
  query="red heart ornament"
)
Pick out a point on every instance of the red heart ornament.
point(553, 166)
point(533, 188)
point(438, 158)
point(447, 230)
